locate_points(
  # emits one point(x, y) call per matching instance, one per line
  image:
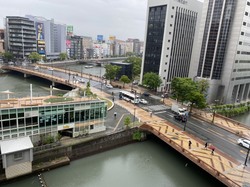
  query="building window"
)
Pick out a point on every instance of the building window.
point(167, 48)
point(18, 155)
point(240, 43)
point(163, 77)
point(91, 127)
point(170, 25)
point(169, 33)
point(166, 63)
point(244, 23)
point(166, 55)
point(238, 52)
point(242, 33)
point(165, 70)
point(248, 3)
point(168, 41)
point(172, 16)
point(246, 13)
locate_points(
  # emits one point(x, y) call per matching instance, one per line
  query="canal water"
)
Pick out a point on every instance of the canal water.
point(143, 164)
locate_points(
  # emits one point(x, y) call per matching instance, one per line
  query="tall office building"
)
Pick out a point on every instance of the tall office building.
point(171, 29)
point(1, 41)
point(54, 36)
point(20, 36)
point(225, 50)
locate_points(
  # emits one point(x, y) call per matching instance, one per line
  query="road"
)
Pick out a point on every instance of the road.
point(220, 138)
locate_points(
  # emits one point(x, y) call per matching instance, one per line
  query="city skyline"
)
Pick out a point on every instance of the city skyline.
point(89, 18)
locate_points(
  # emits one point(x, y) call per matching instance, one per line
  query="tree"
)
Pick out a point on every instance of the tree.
point(152, 80)
point(186, 90)
point(8, 56)
point(125, 80)
point(127, 121)
point(136, 65)
point(34, 57)
point(111, 71)
point(203, 86)
point(63, 56)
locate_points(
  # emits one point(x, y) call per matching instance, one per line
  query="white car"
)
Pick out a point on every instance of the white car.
point(143, 101)
point(50, 69)
point(109, 86)
point(244, 142)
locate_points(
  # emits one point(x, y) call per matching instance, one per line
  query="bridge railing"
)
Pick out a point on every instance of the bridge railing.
point(217, 174)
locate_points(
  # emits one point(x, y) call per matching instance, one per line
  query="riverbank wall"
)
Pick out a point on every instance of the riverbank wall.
point(76, 149)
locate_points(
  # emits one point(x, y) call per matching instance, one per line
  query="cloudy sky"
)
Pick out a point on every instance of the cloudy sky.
point(121, 18)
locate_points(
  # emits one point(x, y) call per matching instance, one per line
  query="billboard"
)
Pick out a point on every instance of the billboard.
point(69, 30)
point(40, 38)
point(39, 31)
point(99, 38)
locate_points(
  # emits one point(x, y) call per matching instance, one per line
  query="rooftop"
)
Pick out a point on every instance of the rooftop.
point(14, 145)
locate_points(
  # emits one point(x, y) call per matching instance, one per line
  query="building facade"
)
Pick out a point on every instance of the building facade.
point(2, 41)
point(171, 29)
point(54, 36)
point(76, 48)
point(224, 48)
point(20, 36)
point(126, 69)
point(73, 118)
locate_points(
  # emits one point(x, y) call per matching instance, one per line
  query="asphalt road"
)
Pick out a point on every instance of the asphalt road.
point(220, 138)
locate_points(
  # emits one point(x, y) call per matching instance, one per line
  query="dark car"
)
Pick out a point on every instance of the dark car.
point(180, 118)
point(146, 94)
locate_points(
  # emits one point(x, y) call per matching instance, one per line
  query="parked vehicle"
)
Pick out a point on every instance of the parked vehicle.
point(180, 118)
point(244, 142)
point(135, 82)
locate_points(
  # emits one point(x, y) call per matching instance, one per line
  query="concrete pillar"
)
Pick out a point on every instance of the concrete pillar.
point(242, 93)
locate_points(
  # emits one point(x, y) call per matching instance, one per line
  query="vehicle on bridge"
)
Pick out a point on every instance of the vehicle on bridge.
point(130, 97)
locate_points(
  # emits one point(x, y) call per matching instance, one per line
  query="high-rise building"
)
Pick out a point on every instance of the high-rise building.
point(76, 49)
point(171, 30)
point(224, 58)
point(54, 36)
point(20, 36)
point(87, 43)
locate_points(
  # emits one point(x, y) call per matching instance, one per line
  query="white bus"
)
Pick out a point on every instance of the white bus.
point(130, 97)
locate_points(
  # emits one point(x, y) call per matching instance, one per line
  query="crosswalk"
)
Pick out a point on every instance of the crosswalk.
point(156, 108)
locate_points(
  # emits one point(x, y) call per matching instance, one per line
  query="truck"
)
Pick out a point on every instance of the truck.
point(177, 110)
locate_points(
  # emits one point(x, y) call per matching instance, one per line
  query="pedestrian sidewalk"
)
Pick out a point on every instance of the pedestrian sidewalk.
point(221, 166)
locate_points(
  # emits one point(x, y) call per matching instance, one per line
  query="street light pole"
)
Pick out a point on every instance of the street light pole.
point(245, 164)
point(134, 117)
point(185, 125)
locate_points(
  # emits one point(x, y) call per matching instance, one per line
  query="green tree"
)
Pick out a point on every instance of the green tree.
point(127, 121)
point(136, 65)
point(111, 71)
point(203, 86)
point(8, 56)
point(152, 80)
point(186, 90)
point(125, 80)
point(34, 57)
point(63, 56)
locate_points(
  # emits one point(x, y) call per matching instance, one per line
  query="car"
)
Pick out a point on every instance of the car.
point(109, 86)
point(146, 94)
point(143, 101)
point(244, 142)
point(50, 69)
point(180, 118)
point(36, 67)
point(135, 82)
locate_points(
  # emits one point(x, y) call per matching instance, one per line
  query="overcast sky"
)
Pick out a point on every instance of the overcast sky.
point(121, 18)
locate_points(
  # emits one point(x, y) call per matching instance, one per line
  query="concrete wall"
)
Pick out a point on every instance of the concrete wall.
point(83, 149)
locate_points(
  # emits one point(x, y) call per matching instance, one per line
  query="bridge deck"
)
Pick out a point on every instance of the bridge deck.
point(221, 166)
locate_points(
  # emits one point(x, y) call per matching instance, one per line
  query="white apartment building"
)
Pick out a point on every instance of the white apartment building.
point(224, 48)
point(171, 30)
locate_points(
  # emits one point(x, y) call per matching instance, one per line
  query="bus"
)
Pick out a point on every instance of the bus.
point(130, 97)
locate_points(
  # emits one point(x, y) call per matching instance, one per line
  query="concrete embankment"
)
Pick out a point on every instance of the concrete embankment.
point(62, 155)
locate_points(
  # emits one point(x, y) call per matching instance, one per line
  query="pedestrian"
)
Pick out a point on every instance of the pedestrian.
point(189, 144)
point(151, 114)
point(115, 115)
point(113, 99)
point(212, 150)
point(206, 145)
